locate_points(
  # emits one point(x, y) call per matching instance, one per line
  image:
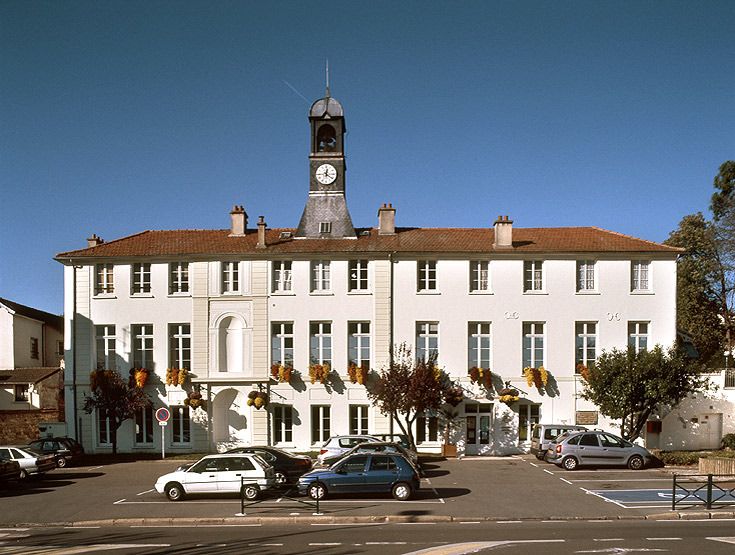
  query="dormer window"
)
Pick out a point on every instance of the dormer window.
point(325, 228)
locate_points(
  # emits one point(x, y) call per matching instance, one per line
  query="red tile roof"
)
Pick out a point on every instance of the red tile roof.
point(218, 242)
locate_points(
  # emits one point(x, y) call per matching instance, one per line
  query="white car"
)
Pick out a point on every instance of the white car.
point(31, 462)
point(242, 473)
point(336, 445)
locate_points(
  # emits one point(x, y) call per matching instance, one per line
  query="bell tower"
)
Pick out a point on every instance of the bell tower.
point(325, 214)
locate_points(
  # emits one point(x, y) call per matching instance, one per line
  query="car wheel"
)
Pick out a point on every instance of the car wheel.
point(570, 463)
point(61, 462)
point(23, 474)
point(635, 462)
point(174, 492)
point(401, 491)
point(317, 491)
point(251, 492)
point(280, 478)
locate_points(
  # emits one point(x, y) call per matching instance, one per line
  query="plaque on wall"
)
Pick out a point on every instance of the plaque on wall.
point(586, 418)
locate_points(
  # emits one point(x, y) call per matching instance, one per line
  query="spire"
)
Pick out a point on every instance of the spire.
point(327, 95)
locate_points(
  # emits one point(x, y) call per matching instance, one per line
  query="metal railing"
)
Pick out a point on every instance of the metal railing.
point(694, 490)
point(730, 377)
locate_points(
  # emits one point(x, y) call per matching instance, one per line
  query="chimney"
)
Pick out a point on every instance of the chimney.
point(386, 220)
point(503, 233)
point(94, 240)
point(239, 219)
point(261, 233)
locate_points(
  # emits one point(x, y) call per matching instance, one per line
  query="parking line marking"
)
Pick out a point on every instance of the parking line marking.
point(565, 480)
point(663, 539)
point(668, 480)
point(608, 539)
point(548, 471)
point(146, 491)
point(533, 464)
point(118, 502)
point(319, 544)
point(604, 498)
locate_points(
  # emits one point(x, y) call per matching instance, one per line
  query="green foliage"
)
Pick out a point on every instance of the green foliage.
point(728, 441)
point(630, 386)
point(679, 458)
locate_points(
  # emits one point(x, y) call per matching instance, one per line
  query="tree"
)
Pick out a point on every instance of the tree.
point(407, 389)
point(631, 386)
point(118, 399)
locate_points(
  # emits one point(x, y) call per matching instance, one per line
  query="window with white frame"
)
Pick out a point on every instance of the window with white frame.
point(230, 277)
point(427, 340)
point(358, 419)
point(282, 343)
point(479, 276)
point(586, 345)
point(141, 278)
point(282, 424)
point(179, 346)
point(358, 275)
point(178, 278)
point(426, 275)
point(479, 347)
point(281, 276)
point(640, 275)
point(533, 344)
point(104, 432)
point(358, 344)
point(325, 228)
point(34, 348)
point(104, 284)
point(638, 336)
point(144, 426)
point(142, 345)
point(320, 424)
point(586, 275)
point(320, 343)
point(21, 393)
point(105, 341)
point(427, 429)
point(321, 279)
point(180, 425)
point(533, 275)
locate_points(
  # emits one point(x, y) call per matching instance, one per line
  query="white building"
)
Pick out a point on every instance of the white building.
point(228, 304)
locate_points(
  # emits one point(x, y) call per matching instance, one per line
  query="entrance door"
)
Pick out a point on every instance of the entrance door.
point(478, 422)
point(710, 430)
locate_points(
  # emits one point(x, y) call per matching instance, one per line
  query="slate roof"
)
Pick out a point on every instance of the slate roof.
point(26, 375)
point(211, 243)
point(53, 320)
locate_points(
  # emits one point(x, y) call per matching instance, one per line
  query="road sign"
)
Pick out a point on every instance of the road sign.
point(163, 414)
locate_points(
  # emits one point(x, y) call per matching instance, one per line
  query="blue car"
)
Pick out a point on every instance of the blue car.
point(363, 473)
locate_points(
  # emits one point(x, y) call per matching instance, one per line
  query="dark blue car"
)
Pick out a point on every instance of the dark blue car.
point(363, 473)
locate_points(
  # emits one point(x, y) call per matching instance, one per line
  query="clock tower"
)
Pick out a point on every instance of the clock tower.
point(326, 214)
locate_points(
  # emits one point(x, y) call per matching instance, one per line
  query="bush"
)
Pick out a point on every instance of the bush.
point(680, 458)
point(728, 441)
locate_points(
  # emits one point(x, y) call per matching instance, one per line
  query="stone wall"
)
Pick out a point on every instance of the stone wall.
point(18, 427)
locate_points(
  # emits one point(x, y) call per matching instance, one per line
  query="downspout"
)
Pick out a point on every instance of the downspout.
point(391, 324)
point(74, 352)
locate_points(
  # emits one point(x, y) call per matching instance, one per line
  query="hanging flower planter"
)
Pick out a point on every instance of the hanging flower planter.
point(138, 377)
point(481, 376)
point(454, 396)
point(281, 373)
point(195, 401)
point(357, 374)
point(508, 399)
point(176, 376)
point(319, 372)
point(538, 377)
point(257, 399)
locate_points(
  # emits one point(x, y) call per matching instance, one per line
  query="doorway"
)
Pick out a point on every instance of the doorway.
point(478, 424)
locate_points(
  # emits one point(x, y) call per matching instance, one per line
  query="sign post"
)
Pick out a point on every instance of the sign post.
point(163, 415)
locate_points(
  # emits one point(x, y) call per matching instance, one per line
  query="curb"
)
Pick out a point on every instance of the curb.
point(324, 519)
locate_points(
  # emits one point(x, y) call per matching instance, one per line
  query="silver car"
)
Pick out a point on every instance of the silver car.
point(336, 445)
point(573, 450)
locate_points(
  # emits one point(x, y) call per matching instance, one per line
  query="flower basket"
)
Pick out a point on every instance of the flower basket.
point(319, 372)
point(509, 392)
point(538, 377)
point(508, 399)
point(481, 376)
point(454, 396)
point(357, 374)
point(257, 399)
point(138, 377)
point(583, 371)
point(281, 373)
point(176, 376)
point(195, 401)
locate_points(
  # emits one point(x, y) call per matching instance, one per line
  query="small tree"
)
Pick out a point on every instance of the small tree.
point(119, 399)
point(407, 389)
point(631, 386)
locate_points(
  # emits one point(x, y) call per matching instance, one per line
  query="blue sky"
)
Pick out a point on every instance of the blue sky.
point(117, 117)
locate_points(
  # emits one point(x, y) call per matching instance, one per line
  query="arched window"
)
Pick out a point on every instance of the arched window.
point(326, 139)
point(231, 345)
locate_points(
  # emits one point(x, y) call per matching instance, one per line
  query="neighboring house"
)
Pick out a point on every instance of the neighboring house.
point(232, 305)
point(31, 356)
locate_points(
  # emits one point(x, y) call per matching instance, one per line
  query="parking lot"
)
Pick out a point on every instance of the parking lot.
point(508, 488)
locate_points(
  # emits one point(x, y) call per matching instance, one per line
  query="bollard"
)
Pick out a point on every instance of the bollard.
point(673, 495)
point(709, 491)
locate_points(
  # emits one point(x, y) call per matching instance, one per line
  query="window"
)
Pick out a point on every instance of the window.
point(358, 275)
point(427, 429)
point(230, 277)
point(179, 346)
point(105, 340)
point(533, 344)
point(282, 343)
point(325, 228)
point(320, 342)
point(104, 436)
point(479, 346)
point(479, 276)
point(358, 344)
point(60, 348)
point(144, 426)
point(142, 345)
point(639, 275)
point(320, 276)
point(180, 425)
point(426, 275)
point(34, 347)
point(141, 279)
point(178, 278)
point(589, 440)
point(638, 336)
point(586, 275)
point(320, 424)
point(282, 424)
point(358, 419)
point(21, 393)
point(103, 279)
point(427, 340)
point(382, 463)
point(533, 275)
point(586, 345)
point(281, 276)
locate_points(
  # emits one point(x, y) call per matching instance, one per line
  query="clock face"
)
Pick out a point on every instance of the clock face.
point(326, 174)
